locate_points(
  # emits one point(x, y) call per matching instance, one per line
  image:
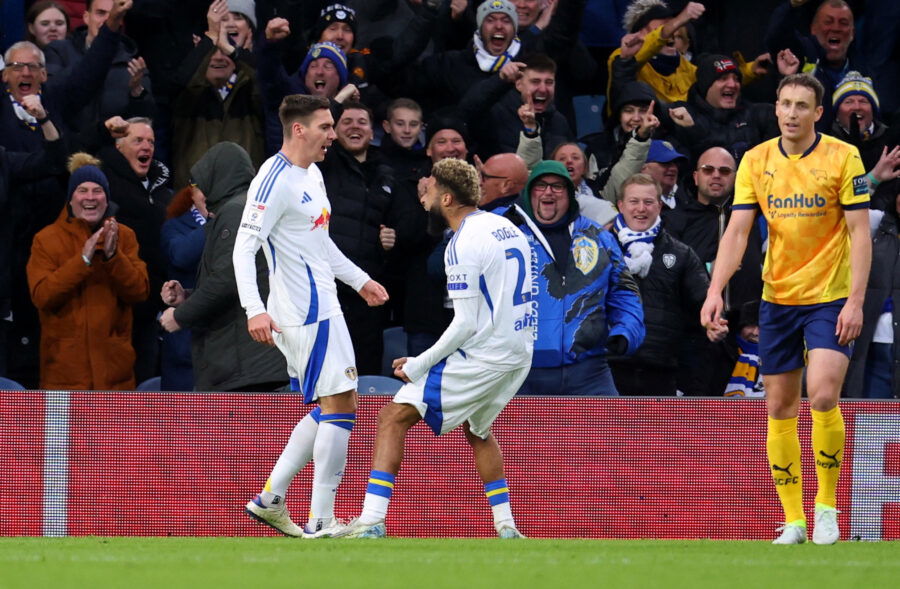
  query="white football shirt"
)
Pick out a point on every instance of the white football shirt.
point(287, 212)
point(489, 258)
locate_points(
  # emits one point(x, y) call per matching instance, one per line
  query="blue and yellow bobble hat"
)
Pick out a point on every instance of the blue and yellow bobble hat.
point(854, 83)
point(332, 52)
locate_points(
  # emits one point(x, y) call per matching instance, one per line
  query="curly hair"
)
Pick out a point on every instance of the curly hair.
point(459, 179)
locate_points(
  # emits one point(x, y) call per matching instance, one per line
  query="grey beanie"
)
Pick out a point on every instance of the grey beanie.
point(245, 7)
point(490, 6)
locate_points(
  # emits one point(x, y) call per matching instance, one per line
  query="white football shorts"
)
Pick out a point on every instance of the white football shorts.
point(457, 390)
point(320, 357)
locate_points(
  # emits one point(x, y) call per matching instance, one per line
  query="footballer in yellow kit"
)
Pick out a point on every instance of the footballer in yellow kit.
point(813, 193)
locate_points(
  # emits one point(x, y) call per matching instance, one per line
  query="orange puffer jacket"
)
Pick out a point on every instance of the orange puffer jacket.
point(85, 311)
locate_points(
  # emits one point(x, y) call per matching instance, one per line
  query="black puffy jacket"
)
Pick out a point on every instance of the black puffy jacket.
point(361, 196)
point(671, 294)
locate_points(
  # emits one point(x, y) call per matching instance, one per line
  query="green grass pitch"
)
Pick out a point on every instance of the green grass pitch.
point(258, 563)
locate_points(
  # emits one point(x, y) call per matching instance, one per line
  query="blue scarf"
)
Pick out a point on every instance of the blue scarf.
point(637, 245)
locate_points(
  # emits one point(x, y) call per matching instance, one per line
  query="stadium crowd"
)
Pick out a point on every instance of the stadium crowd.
point(611, 122)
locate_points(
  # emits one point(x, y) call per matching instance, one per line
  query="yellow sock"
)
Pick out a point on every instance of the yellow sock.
point(828, 446)
point(783, 449)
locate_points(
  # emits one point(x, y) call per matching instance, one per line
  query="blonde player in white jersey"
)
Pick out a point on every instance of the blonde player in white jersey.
point(469, 375)
point(287, 214)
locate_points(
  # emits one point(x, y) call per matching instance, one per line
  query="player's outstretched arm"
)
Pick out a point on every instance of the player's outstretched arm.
point(731, 252)
point(373, 293)
point(850, 319)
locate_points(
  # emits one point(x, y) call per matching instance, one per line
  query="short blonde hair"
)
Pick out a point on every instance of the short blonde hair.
point(640, 180)
point(459, 179)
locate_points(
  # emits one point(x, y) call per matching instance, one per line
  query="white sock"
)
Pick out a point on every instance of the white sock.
point(503, 515)
point(330, 458)
point(296, 454)
point(378, 497)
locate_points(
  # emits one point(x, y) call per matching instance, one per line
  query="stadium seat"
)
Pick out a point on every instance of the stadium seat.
point(588, 113)
point(378, 385)
point(394, 339)
point(7, 384)
point(151, 384)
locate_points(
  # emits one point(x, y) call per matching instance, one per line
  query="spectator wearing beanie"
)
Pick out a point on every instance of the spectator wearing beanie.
point(714, 113)
point(446, 135)
point(443, 79)
point(323, 72)
point(857, 118)
point(370, 66)
point(84, 275)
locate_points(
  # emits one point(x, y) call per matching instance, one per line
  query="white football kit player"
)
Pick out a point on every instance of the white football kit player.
point(481, 360)
point(287, 213)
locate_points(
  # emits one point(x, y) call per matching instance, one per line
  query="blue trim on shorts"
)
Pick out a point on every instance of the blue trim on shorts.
point(315, 414)
point(434, 414)
point(343, 420)
point(785, 331)
point(315, 363)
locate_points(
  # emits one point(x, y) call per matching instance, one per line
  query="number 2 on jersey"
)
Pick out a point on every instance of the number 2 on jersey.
point(520, 297)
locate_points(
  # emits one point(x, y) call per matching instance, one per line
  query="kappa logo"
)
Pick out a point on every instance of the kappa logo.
point(669, 260)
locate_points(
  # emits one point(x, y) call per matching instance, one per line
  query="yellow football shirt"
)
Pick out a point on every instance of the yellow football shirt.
point(803, 199)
